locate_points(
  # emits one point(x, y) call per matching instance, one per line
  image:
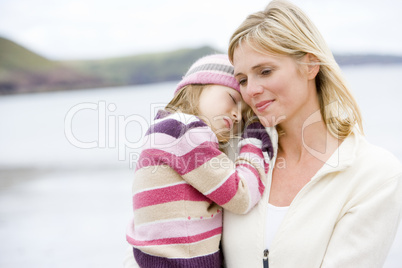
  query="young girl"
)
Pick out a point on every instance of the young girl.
point(183, 180)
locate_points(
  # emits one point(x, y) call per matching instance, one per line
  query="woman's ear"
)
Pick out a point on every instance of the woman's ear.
point(313, 66)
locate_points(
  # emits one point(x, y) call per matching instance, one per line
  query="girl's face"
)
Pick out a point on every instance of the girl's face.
point(221, 108)
point(276, 87)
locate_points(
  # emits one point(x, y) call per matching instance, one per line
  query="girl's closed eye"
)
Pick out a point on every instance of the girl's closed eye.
point(234, 100)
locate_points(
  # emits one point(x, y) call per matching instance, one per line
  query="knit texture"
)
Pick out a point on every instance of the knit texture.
point(212, 69)
point(145, 260)
point(181, 183)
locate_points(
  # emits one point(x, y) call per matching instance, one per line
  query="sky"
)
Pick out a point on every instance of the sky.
point(93, 29)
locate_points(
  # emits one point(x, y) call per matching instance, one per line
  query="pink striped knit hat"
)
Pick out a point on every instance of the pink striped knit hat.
point(213, 69)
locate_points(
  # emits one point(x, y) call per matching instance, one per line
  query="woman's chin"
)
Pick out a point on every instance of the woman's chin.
point(271, 121)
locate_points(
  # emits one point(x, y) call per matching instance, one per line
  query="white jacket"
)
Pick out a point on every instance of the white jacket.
point(346, 216)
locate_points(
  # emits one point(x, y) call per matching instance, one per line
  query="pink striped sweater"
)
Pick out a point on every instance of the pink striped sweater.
point(182, 182)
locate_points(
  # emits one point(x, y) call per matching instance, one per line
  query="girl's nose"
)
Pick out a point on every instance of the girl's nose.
point(236, 115)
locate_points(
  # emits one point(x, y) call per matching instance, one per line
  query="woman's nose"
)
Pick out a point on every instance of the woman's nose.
point(253, 88)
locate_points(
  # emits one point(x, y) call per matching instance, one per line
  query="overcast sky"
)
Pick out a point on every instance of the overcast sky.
point(88, 29)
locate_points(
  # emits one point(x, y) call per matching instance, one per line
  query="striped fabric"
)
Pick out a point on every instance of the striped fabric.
point(212, 69)
point(182, 182)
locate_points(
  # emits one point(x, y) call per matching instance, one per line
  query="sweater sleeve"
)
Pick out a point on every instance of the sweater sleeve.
point(188, 146)
point(364, 235)
point(234, 186)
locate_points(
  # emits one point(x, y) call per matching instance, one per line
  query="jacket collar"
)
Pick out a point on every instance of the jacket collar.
point(342, 158)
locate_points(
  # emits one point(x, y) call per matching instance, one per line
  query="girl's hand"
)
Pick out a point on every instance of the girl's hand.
point(257, 131)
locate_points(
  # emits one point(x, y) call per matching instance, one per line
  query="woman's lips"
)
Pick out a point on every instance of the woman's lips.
point(262, 105)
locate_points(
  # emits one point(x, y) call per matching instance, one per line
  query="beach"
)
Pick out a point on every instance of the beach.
point(67, 161)
point(64, 218)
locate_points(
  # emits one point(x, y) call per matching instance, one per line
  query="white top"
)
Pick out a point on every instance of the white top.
point(274, 218)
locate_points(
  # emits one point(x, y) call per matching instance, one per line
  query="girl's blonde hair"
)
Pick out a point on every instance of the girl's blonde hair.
point(186, 100)
point(284, 29)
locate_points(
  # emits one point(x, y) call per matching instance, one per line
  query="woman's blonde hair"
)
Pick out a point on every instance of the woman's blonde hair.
point(284, 29)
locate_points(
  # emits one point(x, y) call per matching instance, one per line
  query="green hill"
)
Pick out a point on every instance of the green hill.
point(142, 69)
point(23, 71)
point(14, 57)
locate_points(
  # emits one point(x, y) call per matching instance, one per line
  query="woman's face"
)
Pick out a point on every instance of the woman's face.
point(276, 87)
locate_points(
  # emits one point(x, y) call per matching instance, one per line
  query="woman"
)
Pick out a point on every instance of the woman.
point(333, 200)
